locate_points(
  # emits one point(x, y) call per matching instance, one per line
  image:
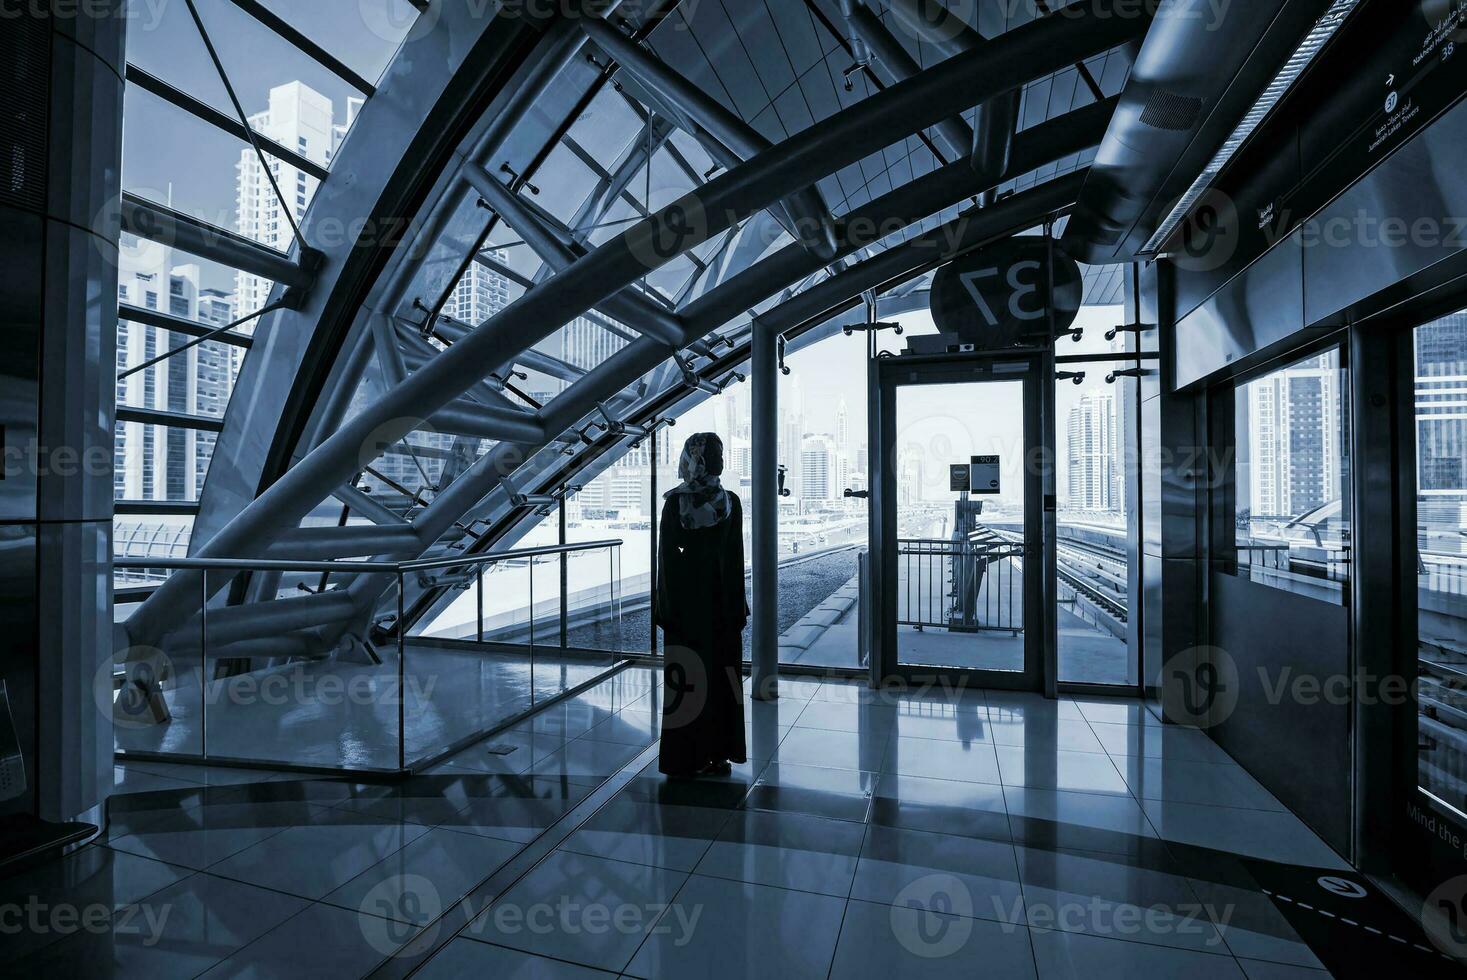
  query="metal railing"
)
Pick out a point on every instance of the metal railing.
point(1329, 561)
point(964, 586)
point(334, 685)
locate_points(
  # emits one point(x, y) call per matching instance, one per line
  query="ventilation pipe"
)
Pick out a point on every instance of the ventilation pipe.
point(1198, 73)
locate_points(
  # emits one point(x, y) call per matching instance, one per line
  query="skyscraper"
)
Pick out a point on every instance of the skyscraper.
point(1094, 476)
point(480, 293)
point(1294, 435)
point(300, 119)
point(818, 469)
point(1441, 422)
point(159, 462)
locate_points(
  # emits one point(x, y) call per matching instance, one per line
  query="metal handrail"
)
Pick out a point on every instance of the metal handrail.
point(417, 564)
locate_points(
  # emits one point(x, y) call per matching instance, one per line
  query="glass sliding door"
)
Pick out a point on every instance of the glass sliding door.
point(1097, 439)
point(1440, 367)
point(958, 510)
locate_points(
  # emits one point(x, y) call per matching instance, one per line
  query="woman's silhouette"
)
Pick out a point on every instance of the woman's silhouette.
point(701, 608)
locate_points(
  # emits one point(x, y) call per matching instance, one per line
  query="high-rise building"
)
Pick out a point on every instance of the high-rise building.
point(1441, 422)
point(818, 469)
point(1094, 476)
point(1294, 439)
point(300, 119)
point(586, 343)
point(161, 462)
point(480, 293)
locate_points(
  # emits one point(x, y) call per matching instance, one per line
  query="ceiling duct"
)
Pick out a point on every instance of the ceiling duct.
point(1201, 70)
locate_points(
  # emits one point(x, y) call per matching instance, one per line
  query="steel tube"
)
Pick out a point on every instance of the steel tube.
point(162, 224)
point(764, 498)
point(814, 226)
point(899, 66)
point(636, 311)
point(838, 141)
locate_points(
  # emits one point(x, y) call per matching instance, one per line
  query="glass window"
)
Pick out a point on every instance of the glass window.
point(1292, 508)
point(1096, 439)
point(1441, 567)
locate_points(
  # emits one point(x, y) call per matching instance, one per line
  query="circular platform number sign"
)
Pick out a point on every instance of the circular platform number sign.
point(997, 297)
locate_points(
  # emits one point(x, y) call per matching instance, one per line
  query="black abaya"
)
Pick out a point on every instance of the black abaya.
point(702, 611)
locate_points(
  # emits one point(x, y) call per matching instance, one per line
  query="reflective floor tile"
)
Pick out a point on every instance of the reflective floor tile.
point(311, 861)
point(875, 719)
point(662, 834)
point(585, 757)
point(974, 763)
point(1246, 833)
point(1081, 772)
point(789, 850)
point(1075, 956)
point(93, 877)
point(424, 878)
point(839, 750)
point(1111, 824)
point(1117, 711)
point(722, 930)
point(879, 941)
point(428, 800)
point(782, 712)
point(1006, 707)
point(947, 806)
point(853, 692)
point(761, 740)
point(1108, 895)
point(583, 909)
point(1172, 742)
point(1195, 782)
point(844, 794)
point(1252, 926)
point(471, 958)
point(208, 775)
point(568, 719)
point(180, 932)
point(504, 752)
point(202, 836)
point(964, 722)
point(1045, 733)
point(129, 779)
point(628, 727)
point(961, 875)
point(321, 941)
point(939, 689)
point(722, 792)
point(519, 808)
point(1261, 970)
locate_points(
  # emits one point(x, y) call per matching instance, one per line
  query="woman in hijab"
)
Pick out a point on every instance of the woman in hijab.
point(701, 608)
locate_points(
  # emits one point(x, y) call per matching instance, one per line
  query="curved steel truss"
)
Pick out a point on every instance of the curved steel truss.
point(377, 366)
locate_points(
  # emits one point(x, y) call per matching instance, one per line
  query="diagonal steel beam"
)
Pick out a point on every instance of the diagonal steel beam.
point(628, 305)
point(898, 66)
point(993, 128)
point(1034, 50)
point(813, 225)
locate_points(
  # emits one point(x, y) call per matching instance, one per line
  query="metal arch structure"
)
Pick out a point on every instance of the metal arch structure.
point(446, 377)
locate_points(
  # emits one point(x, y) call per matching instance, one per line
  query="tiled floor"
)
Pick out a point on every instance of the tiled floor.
point(940, 833)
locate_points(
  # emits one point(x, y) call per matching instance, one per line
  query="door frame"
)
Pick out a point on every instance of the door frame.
point(1387, 842)
point(886, 375)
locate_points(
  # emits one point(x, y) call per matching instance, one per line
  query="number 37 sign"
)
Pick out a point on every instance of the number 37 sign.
point(998, 296)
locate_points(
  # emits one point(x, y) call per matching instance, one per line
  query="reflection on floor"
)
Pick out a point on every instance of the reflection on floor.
point(335, 714)
point(933, 832)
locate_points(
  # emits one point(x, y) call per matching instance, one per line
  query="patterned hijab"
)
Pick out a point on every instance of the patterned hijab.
point(701, 499)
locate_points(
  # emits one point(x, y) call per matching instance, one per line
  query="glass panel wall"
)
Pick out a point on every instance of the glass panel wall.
point(1441, 567)
point(822, 532)
point(1096, 444)
point(179, 151)
point(1291, 508)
